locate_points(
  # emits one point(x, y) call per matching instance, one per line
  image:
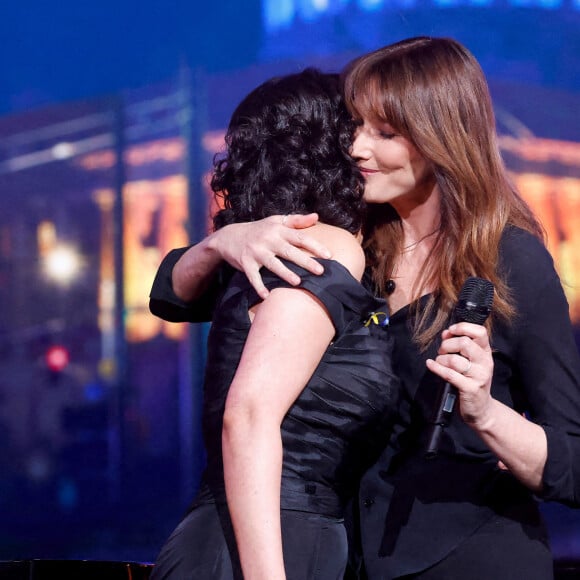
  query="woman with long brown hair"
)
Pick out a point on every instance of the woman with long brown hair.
point(446, 210)
point(443, 210)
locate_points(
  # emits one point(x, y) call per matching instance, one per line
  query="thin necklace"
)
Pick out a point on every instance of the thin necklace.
point(412, 245)
point(391, 284)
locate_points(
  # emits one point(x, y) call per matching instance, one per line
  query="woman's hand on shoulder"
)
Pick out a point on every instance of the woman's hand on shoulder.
point(465, 360)
point(253, 245)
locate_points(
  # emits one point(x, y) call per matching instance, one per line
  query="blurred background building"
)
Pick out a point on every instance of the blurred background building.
point(110, 115)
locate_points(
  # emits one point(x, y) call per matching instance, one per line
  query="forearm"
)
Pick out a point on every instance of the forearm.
point(520, 444)
point(252, 454)
point(248, 247)
point(193, 272)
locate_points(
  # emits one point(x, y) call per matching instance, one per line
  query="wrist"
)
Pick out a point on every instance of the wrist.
point(485, 423)
point(212, 245)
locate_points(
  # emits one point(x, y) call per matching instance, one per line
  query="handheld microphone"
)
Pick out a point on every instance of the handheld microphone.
point(473, 305)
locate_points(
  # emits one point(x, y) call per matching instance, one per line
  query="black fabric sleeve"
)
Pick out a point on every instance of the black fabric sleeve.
point(549, 365)
point(553, 375)
point(166, 305)
point(329, 287)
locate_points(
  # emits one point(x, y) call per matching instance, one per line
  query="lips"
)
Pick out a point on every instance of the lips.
point(368, 171)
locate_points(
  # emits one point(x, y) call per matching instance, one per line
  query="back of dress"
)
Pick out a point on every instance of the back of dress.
point(338, 425)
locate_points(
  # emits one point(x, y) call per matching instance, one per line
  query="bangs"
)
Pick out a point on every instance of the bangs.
point(368, 95)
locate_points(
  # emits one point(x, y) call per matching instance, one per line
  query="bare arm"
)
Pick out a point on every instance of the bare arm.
point(288, 337)
point(520, 444)
point(248, 247)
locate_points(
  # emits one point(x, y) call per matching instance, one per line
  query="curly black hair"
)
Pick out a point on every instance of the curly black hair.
point(287, 152)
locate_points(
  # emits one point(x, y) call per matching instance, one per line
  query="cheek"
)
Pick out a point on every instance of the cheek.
point(419, 165)
point(387, 154)
point(424, 171)
point(395, 155)
point(376, 190)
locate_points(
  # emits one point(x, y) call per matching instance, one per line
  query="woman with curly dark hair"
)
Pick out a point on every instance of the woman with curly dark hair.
point(298, 384)
point(287, 152)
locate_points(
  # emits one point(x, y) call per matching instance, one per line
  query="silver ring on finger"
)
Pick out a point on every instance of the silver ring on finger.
point(468, 368)
point(284, 219)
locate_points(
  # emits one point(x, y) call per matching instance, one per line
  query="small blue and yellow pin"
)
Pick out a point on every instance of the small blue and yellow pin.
point(378, 318)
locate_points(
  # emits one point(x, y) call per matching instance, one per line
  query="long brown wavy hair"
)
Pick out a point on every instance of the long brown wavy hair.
point(433, 92)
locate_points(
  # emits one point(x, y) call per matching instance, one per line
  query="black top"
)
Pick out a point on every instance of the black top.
point(415, 512)
point(438, 502)
point(337, 426)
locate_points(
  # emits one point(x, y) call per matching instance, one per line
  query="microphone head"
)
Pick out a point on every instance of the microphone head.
point(475, 301)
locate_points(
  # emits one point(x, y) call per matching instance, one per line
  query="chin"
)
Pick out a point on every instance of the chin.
point(375, 198)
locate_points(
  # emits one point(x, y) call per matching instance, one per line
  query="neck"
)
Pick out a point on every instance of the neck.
point(420, 219)
point(420, 203)
point(412, 245)
point(419, 214)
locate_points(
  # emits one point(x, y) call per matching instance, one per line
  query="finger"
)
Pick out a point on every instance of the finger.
point(451, 367)
point(277, 267)
point(299, 221)
point(309, 244)
point(464, 363)
point(258, 284)
point(458, 344)
point(275, 219)
point(460, 364)
point(304, 261)
point(303, 257)
point(476, 332)
point(442, 370)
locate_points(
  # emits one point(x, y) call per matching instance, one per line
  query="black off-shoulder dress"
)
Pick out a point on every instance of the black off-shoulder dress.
point(332, 433)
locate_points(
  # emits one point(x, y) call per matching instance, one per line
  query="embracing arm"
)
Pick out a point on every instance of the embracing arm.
point(187, 280)
point(187, 275)
point(166, 304)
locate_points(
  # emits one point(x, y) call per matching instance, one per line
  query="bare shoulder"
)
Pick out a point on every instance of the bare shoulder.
point(343, 245)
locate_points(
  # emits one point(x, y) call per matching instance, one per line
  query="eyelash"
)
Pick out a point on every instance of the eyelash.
point(384, 135)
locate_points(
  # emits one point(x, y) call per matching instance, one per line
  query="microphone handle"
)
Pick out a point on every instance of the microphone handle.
point(474, 306)
point(444, 412)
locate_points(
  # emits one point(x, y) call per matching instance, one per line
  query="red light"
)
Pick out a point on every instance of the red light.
point(57, 358)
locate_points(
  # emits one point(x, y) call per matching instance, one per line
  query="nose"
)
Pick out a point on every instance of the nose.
point(360, 149)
